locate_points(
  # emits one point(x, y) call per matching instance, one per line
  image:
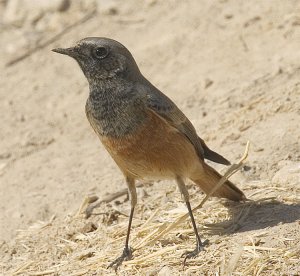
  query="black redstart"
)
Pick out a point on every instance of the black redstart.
point(146, 134)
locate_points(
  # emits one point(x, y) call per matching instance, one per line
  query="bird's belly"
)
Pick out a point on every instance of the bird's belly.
point(154, 151)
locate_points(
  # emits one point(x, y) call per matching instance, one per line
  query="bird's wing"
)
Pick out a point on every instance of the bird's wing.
point(164, 107)
point(212, 155)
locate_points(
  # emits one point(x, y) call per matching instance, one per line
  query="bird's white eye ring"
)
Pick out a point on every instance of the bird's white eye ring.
point(101, 52)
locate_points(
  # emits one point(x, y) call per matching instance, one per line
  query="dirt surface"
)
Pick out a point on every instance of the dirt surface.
point(232, 66)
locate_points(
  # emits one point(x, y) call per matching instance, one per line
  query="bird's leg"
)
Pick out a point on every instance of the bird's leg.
point(199, 244)
point(127, 252)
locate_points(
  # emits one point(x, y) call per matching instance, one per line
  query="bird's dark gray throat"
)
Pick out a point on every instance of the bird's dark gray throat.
point(114, 107)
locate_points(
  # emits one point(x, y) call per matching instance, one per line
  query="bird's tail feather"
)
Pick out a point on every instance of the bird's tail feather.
point(210, 177)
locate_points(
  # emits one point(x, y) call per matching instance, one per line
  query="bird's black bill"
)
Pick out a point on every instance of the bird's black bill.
point(65, 51)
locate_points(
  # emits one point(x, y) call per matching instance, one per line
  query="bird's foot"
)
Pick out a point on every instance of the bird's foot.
point(126, 255)
point(193, 254)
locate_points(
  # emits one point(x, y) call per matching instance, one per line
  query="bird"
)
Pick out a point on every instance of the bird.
point(143, 130)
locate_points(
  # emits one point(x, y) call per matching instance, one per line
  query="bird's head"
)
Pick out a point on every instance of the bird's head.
point(102, 59)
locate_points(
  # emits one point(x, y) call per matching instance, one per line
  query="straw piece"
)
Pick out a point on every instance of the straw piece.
point(153, 255)
point(150, 219)
point(39, 273)
point(261, 248)
point(22, 268)
point(234, 260)
point(79, 273)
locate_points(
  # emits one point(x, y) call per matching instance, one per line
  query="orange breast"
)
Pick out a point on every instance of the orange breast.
point(155, 150)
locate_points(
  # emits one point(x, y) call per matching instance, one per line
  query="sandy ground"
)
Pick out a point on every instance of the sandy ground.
point(232, 66)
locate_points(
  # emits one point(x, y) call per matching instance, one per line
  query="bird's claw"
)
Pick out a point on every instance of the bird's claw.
point(126, 255)
point(193, 254)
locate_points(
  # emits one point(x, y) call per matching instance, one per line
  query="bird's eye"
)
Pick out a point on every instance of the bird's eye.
point(101, 52)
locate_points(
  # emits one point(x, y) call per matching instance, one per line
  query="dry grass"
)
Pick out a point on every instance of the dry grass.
point(68, 248)
point(239, 244)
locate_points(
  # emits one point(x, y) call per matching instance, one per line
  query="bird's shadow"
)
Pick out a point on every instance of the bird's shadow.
point(255, 215)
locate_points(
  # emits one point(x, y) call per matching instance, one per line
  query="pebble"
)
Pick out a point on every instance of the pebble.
point(207, 83)
point(18, 11)
point(13, 13)
point(165, 271)
point(46, 5)
point(109, 7)
point(88, 5)
point(2, 166)
point(289, 173)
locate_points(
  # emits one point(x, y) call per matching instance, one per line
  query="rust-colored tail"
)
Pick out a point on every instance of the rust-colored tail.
point(210, 177)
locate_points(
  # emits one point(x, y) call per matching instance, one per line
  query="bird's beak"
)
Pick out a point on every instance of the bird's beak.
point(66, 51)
